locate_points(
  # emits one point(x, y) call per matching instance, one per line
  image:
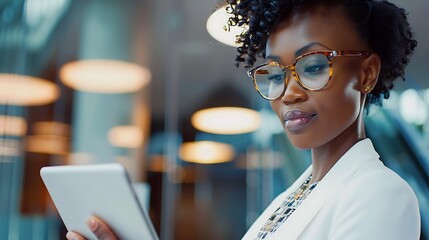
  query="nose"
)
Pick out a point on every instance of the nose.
point(294, 93)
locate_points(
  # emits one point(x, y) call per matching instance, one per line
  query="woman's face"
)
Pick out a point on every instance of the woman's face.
point(314, 118)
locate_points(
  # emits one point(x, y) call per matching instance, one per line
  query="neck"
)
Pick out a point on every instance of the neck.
point(324, 157)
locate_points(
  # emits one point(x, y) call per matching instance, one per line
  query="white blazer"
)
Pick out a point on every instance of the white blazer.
point(359, 198)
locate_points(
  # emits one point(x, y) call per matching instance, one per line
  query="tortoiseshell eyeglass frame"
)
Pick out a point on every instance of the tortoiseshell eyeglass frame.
point(329, 55)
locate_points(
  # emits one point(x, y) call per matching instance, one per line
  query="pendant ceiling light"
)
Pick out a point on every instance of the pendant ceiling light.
point(23, 90)
point(206, 152)
point(47, 144)
point(217, 27)
point(104, 76)
point(51, 128)
point(226, 120)
point(49, 138)
point(126, 136)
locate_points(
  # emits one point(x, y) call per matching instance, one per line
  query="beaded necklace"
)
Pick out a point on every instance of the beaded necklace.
point(287, 207)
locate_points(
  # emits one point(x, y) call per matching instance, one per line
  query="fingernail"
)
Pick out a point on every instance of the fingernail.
point(71, 236)
point(92, 224)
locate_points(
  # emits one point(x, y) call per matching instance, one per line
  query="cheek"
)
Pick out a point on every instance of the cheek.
point(345, 109)
point(341, 110)
point(343, 95)
point(347, 101)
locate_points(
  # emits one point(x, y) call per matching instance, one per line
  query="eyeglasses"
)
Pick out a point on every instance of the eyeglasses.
point(312, 71)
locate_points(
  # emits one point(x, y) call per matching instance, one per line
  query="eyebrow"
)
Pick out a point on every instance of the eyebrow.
point(298, 52)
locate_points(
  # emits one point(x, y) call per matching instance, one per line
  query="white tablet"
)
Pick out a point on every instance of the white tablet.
point(103, 190)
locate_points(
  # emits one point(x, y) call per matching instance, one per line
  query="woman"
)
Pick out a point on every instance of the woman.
point(326, 61)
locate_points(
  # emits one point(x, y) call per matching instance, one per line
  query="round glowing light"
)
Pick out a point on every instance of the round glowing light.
point(48, 144)
point(226, 120)
point(126, 136)
point(412, 107)
point(206, 152)
point(51, 128)
point(26, 91)
point(104, 76)
point(218, 29)
point(12, 126)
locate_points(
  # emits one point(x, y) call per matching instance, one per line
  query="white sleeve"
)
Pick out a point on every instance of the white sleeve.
point(378, 206)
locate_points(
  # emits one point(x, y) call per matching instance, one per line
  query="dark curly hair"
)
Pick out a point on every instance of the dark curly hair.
point(383, 25)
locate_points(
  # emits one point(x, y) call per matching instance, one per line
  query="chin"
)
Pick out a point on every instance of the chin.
point(301, 146)
point(302, 143)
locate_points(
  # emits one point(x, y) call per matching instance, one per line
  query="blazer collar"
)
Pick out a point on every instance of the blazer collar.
point(343, 169)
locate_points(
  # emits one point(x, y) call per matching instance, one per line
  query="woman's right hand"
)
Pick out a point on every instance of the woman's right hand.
point(101, 230)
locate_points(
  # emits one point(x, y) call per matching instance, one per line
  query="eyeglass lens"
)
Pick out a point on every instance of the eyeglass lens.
point(313, 72)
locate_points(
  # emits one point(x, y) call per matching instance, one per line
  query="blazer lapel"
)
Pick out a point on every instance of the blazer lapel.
point(348, 164)
point(254, 229)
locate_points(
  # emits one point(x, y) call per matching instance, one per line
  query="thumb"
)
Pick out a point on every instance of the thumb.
point(101, 230)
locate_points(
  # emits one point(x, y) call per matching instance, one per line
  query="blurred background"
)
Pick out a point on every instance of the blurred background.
point(91, 81)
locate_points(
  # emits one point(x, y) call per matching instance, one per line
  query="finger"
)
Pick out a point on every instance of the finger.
point(100, 229)
point(74, 236)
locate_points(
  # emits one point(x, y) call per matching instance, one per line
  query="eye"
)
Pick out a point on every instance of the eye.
point(315, 68)
point(276, 77)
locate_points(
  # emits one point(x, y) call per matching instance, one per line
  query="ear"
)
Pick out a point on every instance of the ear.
point(370, 70)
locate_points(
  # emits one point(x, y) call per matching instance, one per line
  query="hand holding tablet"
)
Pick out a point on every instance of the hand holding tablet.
point(101, 190)
point(100, 229)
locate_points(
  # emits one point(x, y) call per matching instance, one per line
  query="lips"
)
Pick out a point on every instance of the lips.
point(295, 120)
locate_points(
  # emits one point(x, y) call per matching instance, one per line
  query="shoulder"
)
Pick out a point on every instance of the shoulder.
point(377, 202)
point(378, 182)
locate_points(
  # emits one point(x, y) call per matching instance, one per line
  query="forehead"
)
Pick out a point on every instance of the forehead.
point(329, 26)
